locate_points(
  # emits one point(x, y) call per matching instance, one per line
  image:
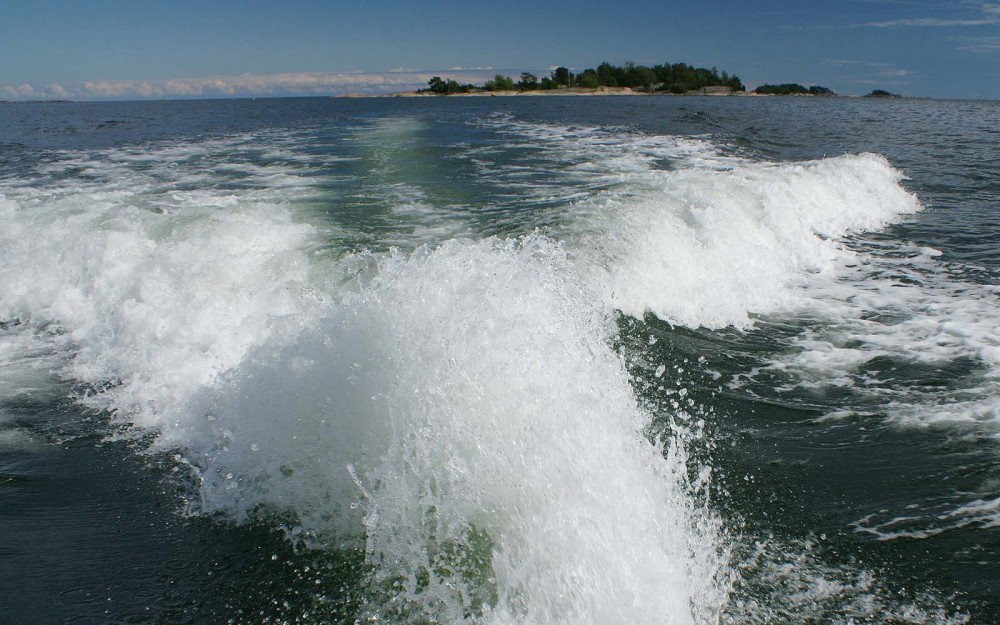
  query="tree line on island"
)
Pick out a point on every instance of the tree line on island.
point(793, 89)
point(797, 89)
point(675, 78)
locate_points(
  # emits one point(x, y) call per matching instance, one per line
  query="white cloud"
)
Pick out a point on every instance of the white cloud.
point(871, 73)
point(982, 45)
point(987, 14)
point(57, 90)
point(246, 85)
point(934, 22)
point(881, 69)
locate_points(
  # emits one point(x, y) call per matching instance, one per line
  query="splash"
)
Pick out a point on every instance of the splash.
point(496, 452)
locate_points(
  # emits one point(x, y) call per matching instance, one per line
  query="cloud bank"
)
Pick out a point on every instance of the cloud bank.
point(243, 85)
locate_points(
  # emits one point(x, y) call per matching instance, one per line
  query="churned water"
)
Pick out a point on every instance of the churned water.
point(500, 360)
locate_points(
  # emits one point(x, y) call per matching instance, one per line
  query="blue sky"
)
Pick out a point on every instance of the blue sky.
point(113, 49)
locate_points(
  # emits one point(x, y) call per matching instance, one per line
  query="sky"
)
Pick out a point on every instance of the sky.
point(129, 50)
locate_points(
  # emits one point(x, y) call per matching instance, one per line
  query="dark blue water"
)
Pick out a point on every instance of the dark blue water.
point(489, 310)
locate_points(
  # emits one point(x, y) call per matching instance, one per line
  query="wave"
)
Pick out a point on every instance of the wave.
point(494, 448)
point(711, 248)
point(688, 231)
point(437, 404)
point(703, 237)
point(458, 412)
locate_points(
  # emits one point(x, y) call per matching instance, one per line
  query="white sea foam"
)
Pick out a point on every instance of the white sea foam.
point(919, 523)
point(791, 582)
point(29, 361)
point(151, 302)
point(393, 149)
point(675, 227)
point(910, 310)
point(558, 167)
point(708, 248)
point(467, 399)
point(458, 410)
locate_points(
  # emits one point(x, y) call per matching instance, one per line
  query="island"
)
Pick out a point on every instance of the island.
point(881, 93)
point(677, 78)
point(792, 89)
point(627, 79)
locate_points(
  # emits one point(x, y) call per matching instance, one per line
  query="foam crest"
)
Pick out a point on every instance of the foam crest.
point(151, 307)
point(680, 228)
point(709, 247)
point(466, 408)
point(458, 413)
point(676, 227)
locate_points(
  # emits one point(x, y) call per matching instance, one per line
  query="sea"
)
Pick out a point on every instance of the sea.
point(498, 360)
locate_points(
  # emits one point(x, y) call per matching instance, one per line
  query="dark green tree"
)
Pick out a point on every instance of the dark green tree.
point(676, 78)
point(782, 89)
point(436, 85)
point(528, 82)
point(445, 87)
point(588, 79)
point(562, 76)
point(500, 83)
point(606, 73)
point(637, 77)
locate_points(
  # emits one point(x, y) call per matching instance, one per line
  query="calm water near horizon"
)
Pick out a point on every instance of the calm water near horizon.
point(538, 360)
